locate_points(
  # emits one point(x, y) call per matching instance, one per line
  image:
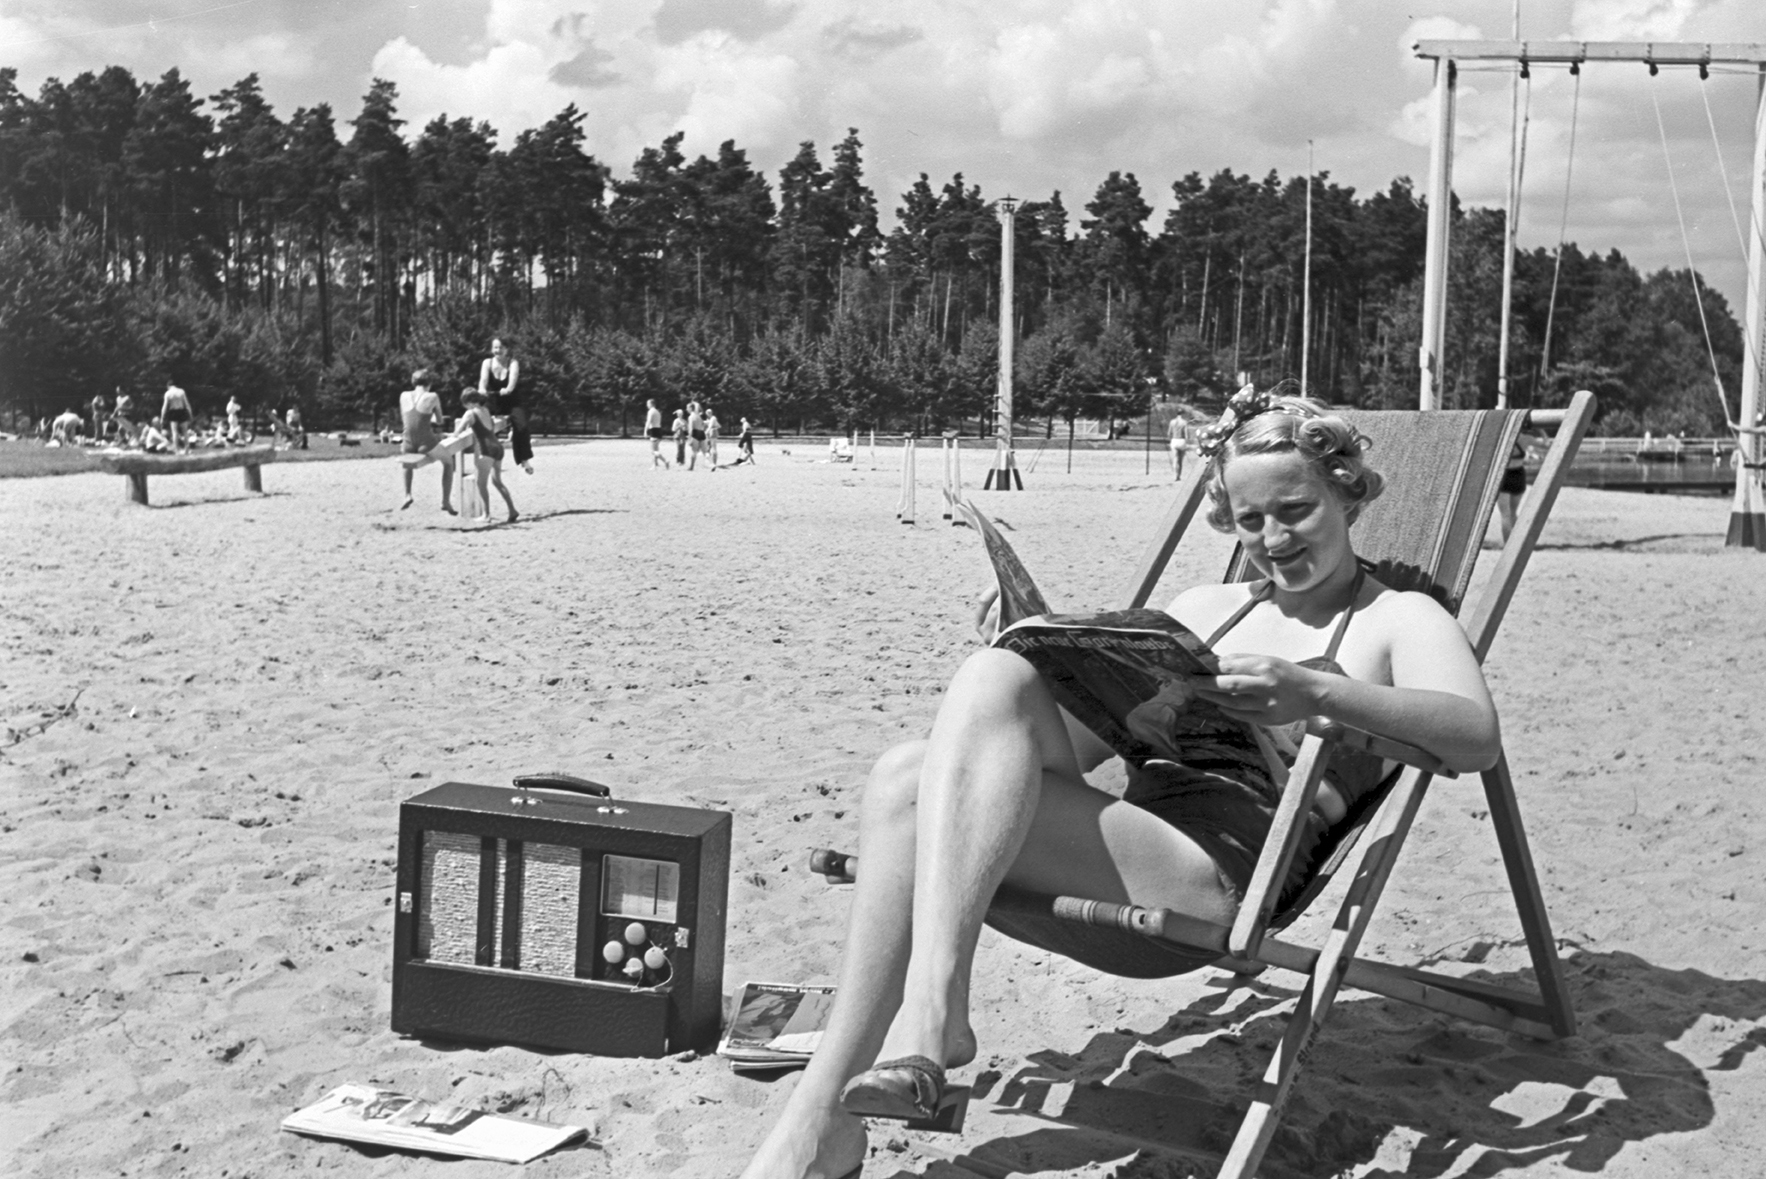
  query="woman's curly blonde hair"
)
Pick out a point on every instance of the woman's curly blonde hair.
point(1274, 422)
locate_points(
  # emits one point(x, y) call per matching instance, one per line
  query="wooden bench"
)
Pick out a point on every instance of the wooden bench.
point(136, 466)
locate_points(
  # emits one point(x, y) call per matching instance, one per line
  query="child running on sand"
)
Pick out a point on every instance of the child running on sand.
point(996, 794)
point(745, 445)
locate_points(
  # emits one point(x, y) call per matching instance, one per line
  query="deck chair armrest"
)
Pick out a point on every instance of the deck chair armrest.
point(1350, 737)
point(1273, 863)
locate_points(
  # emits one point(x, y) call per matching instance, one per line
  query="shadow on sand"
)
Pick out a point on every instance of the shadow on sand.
point(1690, 542)
point(1442, 1096)
point(246, 497)
point(451, 524)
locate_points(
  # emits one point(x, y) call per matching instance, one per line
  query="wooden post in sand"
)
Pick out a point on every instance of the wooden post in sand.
point(472, 508)
point(904, 507)
point(953, 477)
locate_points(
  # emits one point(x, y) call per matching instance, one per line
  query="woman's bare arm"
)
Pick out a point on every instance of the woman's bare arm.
point(1437, 700)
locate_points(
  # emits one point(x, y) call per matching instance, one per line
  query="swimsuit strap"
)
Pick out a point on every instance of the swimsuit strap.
point(1238, 616)
point(1262, 592)
point(1343, 622)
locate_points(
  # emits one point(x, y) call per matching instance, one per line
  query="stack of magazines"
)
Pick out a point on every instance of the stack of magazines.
point(775, 1026)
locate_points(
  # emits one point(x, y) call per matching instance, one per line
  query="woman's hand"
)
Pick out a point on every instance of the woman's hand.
point(1261, 689)
point(987, 616)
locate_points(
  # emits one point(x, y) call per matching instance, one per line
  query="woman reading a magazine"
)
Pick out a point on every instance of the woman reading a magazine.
point(996, 796)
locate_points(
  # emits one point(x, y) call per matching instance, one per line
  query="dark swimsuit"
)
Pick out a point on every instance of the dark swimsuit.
point(1221, 796)
point(509, 405)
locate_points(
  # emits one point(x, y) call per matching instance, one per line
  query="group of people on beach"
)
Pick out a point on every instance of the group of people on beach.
point(695, 433)
point(488, 410)
point(174, 430)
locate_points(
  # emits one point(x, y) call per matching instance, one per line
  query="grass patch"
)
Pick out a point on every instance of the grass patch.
point(24, 458)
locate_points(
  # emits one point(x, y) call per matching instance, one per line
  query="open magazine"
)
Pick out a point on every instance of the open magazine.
point(775, 1026)
point(382, 1117)
point(1123, 674)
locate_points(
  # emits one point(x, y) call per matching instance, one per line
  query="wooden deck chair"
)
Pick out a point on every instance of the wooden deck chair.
point(1424, 533)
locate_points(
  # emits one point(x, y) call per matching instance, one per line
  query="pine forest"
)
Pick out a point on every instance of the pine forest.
point(150, 234)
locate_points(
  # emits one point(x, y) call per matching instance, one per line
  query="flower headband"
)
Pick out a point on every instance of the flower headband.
point(1241, 407)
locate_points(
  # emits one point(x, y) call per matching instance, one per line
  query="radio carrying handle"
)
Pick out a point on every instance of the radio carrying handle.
point(555, 780)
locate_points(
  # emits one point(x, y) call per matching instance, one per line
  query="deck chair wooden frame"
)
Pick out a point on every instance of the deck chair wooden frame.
point(1248, 944)
point(1546, 1015)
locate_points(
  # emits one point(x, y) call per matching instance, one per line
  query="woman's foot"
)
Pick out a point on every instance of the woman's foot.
point(514, 515)
point(406, 504)
point(906, 1089)
point(918, 1031)
point(828, 1145)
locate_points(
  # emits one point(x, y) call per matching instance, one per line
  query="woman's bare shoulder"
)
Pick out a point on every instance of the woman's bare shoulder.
point(1402, 605)
point(1202, 607)
point(1408, 616)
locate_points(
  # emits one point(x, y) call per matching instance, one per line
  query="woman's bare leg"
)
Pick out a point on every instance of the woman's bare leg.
point(484, 487)
point(497, 478)
point(997, 735)
point(815, 1138)
point(996, 794)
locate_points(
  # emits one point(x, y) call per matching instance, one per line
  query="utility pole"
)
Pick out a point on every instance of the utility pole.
point(1004, 475)
point(1434, 325)
point(1306, 282)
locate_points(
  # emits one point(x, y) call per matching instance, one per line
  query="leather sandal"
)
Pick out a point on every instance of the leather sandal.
point(909, 1088)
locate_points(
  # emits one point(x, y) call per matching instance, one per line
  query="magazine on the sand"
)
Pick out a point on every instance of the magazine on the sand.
point(381, 1117)
point(775, 1026)
point(1123, 674)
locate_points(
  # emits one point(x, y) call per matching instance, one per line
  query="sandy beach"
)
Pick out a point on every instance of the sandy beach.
point(210, 710)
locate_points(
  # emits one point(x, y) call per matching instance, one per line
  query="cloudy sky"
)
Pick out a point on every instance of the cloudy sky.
point(1024, 97)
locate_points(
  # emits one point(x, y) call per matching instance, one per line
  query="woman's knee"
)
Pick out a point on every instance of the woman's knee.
point(893, 788)
point(997, 681)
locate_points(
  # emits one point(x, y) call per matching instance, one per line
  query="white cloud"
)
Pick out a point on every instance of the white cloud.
point(1029, 97)
point(733, 91)
point(508, 85)
point(1630, 20)
point(271, 55)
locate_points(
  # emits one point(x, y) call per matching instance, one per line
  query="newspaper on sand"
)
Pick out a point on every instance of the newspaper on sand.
point(775, 1026)
point(1127, 675)
point(381, 1117)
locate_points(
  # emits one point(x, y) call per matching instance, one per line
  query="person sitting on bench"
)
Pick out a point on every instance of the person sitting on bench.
point(128, 431)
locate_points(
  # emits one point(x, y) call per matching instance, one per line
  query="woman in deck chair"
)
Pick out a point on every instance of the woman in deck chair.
point(996, 794)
